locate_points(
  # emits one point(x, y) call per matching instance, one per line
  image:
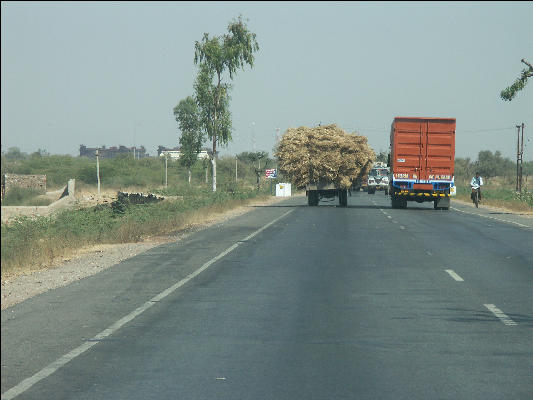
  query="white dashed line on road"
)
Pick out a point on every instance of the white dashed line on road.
point(500, 314)
point(454, 275)
point(489, 217)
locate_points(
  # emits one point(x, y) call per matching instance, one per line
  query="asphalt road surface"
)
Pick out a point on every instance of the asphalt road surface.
point(294, 302)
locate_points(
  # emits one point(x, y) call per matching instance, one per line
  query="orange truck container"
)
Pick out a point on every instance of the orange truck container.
point(422, 161)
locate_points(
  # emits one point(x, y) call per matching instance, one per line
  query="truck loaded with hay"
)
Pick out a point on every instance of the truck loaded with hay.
point(324, 160)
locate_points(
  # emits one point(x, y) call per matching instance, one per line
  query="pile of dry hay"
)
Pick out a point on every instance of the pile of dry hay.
point(325, 153)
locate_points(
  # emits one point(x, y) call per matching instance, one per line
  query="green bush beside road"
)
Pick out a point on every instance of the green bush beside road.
point(31, 243)
point(500, 197)
point(24, 197)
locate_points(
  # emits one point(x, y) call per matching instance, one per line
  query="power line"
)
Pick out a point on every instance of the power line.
point(488, 129)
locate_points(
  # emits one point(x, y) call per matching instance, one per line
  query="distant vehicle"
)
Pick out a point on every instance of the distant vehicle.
point(422, 161)
point(378, 178)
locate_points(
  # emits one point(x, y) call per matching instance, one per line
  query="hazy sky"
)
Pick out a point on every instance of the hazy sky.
point(110, 73)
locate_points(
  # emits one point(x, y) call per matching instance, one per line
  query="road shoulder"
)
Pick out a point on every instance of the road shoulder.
point(94, 259)
point(522, 219)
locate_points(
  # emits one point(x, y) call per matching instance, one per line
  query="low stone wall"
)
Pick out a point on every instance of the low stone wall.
point(10, 212)
point(67, 199)
point(36, 182)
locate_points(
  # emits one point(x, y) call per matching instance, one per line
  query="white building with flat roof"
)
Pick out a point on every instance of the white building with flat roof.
point(175, 153)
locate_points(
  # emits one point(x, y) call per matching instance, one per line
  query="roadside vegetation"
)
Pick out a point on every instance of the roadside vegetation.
point(125, 172)
point(32, 243)
point(25, 197)
point(499, 176)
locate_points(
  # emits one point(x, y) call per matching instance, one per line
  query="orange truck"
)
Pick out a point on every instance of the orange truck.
point(421, 161)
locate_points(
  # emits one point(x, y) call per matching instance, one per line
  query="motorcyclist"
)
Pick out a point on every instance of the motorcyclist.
point(475, 184)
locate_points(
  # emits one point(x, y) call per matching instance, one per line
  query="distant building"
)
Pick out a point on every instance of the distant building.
point(175, 153)
point(111, 152)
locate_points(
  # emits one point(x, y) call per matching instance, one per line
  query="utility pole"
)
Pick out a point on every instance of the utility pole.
point(166, 173)
point(253, 137)
point(98, 171)
point(519, 157)
point(235, 169)
point(517, 153)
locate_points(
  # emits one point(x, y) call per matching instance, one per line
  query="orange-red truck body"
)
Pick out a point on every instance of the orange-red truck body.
point(422, 157)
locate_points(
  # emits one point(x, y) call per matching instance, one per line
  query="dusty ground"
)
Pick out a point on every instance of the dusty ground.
point(93, 259)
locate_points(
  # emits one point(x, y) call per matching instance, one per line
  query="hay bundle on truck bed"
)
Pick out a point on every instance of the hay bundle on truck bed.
point(325, 160)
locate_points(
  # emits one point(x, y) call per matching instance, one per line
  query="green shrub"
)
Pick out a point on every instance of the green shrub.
point(24, 197)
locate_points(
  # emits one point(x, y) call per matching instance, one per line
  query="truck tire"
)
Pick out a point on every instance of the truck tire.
point(436, 207)
point(343, 198)
point(312, 198)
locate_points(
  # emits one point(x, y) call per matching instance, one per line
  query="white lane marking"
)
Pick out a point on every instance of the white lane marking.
point(54, 366)
point(489, 217)
point(388, 216)
point(429, 253)
point(500, 314)
point(454, 275)
point(402, 227)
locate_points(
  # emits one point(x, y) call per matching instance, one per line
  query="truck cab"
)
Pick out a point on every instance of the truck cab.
point(378, 178)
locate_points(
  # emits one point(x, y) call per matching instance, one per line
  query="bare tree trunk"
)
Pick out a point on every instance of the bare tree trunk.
point(214, 161)
point(189, 176)
point(215, 135)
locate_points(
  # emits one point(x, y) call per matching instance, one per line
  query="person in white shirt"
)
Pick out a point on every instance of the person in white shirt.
point(476, 183)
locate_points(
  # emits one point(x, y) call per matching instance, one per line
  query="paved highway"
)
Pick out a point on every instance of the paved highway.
point(294, 302)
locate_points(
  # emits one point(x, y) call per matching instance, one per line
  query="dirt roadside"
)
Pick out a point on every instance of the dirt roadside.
point(527, 214)
point(93, 259)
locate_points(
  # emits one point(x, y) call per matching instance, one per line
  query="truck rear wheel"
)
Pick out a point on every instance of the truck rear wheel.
point(443, 206)
point(312, 198)
point(343, 198)
point(398, 202)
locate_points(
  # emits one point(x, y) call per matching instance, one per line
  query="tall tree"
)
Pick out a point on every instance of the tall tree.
point(191, 138)
point(216, 55)
point(510, 92)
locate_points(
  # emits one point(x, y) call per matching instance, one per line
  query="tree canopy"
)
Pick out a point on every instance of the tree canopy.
point(214, 56)
point(510, 92)
point(191, 138)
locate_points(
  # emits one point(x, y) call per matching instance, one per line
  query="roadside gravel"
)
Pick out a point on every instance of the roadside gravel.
point(91, 260)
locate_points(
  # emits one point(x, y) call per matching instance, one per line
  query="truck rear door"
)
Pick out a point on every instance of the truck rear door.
point(439, 147)
point(408, 139)
point(424, 148)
